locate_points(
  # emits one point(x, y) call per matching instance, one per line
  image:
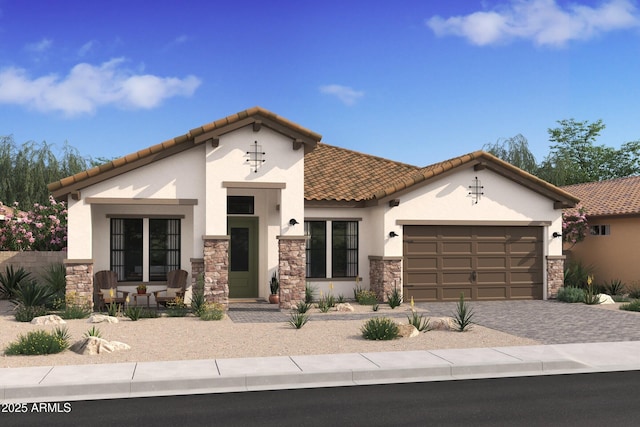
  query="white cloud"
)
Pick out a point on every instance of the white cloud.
point(88, 87)
point(345, 94)
point(40, 46)
point(542, 21)
point(86, 48)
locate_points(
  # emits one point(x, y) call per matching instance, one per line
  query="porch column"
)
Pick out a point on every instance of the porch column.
point(216, 269)
point(385, 273)
point(555, 274)
point(197, 268)
point(79, 280)
point(291, 270)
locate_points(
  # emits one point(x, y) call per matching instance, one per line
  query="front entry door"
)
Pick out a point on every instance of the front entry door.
point(243, 257)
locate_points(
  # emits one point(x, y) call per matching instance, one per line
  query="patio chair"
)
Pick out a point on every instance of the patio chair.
point(176, 287)
point(106, 289)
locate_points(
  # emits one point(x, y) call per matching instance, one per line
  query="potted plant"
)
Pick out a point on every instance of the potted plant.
point(142, 289)
point(274, 298)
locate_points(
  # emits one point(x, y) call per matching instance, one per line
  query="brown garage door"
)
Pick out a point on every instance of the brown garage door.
point(483, 262)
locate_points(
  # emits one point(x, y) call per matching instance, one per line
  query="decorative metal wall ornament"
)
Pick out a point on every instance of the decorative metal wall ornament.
point(475, 190)
point(255, 154)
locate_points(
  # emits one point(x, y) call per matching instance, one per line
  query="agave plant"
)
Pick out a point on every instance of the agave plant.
point(10, 279)
point(30, 294)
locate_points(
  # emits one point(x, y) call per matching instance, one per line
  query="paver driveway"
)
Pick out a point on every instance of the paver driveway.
point(549, 322)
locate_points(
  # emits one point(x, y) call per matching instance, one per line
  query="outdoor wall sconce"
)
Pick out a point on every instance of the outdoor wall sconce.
point(393, 203)
point(393, 234)
point(293, 222)
point(556, 234)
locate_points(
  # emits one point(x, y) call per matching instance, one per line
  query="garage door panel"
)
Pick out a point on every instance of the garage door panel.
point(491, 262)
point(492, 292)
point(423, 278)
point(421, 263)
point(421, 293)
point(453, 293)
point(423, 247)
point(456, 248)
point(455, 278)
point(483, 262)
point(457, 263)
point(492, 277)
point(491, 247)
point(524, 248)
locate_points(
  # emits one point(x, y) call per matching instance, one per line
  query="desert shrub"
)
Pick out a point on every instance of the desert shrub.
point(133, 312)
point(10, 279)
point(394, 299)
point(39, 342)
point(326, 302)
point(198, 301)
point(148, 314)
point(631, 306)
point(634, 290)
point(298, 320)
point(29, 293)
point(375, 307)
point(591, 294)
point(54, 278)
point(570, 294)
point(93, 332)
point(302, 307)
point(75, 308)
point(614, 287)
point(25, 313)
point(212, 311)
point(463, 316)
point(309, 293)
point(576, 274)
point(419, 321)
point(340, 299)
point(380, 328)
point(177, 308)
point(366, 297)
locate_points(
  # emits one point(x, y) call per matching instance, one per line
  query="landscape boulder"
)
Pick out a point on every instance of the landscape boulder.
point(407, 331)
point(51, 319)
point(99, 318)
point(95, 345)
point(344, 307)
point(605, 299)
point(441, 324)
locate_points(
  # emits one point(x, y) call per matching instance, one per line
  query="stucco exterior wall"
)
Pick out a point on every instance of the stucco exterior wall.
point(447, 200)
point(613, 256)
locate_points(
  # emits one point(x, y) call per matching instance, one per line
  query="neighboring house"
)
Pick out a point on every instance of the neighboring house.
point(613, 213)
point(253, 194)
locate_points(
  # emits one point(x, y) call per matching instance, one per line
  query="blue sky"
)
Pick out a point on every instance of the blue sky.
point(413, 81)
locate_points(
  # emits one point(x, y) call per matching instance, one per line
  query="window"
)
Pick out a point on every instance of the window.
point(240, 205)
point(342, 244)
point(128, 236)
point(316, 252)
point(600, 230)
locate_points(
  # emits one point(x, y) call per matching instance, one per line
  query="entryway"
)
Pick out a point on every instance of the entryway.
point(243, 257)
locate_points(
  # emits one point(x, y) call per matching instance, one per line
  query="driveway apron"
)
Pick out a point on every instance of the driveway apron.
point(549, 322)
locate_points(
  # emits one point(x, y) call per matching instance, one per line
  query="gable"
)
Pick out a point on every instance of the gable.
point(211, 133)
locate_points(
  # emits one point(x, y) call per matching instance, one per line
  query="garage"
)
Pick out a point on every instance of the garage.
point(482, 262)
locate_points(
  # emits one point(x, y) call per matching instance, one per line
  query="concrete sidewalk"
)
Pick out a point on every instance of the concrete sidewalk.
point(104, 381)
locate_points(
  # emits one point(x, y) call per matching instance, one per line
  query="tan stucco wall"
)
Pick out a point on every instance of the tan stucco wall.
point(615, 256)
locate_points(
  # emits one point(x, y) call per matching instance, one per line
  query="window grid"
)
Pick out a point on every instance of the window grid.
point(316, 248)
point(344, 249)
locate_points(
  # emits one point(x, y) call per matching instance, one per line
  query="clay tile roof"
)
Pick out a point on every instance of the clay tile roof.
point(66, 185)
point(620, 196)
point(333, 173)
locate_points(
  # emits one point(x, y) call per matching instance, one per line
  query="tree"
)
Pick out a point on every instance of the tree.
point(25, 171)
point(514, 150)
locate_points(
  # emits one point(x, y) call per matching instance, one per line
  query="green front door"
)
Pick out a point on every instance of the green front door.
point(243, 257)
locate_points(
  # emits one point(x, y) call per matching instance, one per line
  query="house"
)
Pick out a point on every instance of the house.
point(613, 213)
point(254, 194)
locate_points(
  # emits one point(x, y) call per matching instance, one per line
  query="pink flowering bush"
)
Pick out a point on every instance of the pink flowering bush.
point(42, 229)
point(574, 226)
